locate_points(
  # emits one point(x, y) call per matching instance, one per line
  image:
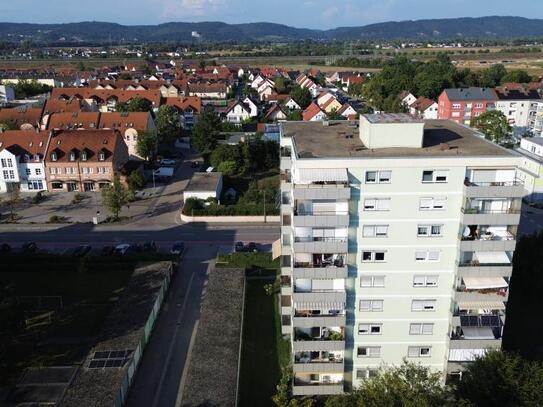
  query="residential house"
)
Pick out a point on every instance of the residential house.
point(237, 112)
point(188, 109)
point(348, 112)
point(424, 108)
point(463, 104)
point(84, 160)
point(407, 98)
point(253, 108)
point(22, 118)
point(208, 91)
point(275, 113)
point(331, 105)
point(292, 104)
point(73, 121)
point(313, 113)
point(22, 155)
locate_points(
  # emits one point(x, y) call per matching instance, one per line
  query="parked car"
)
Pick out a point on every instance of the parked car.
point(177, 249)
point(107, 250)
point(149, 247)
point(239, 247)
point(29, 247)
point(167, 162)
point(121, 248)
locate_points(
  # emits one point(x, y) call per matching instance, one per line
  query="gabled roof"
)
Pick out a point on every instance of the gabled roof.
point(183, 103)
point(517, 93)
point(59, 106)
point(467, 94)
point(422, 103)
point(275, 108)
point(21, 115)
point(73, 120)
point(123, 121)
point(21, 142)
point(235, 103)
point(92, 141)
point(311, 111)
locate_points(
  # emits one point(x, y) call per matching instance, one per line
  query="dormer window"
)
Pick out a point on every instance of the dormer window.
point(37, 158)
point(102, 156)
point(84, 156)
point(27, 158)
point(53, 156)
point(72, 156)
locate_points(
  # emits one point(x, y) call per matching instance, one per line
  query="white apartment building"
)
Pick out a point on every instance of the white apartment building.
point(520, 107)
point(396, 242)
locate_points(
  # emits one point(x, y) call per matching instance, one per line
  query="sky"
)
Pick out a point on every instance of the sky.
point(299, 13)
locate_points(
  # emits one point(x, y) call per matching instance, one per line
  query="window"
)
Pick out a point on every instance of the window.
point(28, 172)
point(5, 174)
point(456, 106)
point(101, 156)
point(84, 156)
point(368, 351)
point(371, 305)
point(425, 281)
point(378, 204)
point(372, 281)
point(421, 329)
point(72, 156)
point(423, 305)
point(85, 170)
point(53, 156)
point(432, 204)
point(419, 351)
point(373, 256)
point(480, 105)
point(429, 230)
point(375, 231)
point(369, 329)
point(4, 162)
point(362, 374)
point(52, 170)
point(428, 255)
point(38, 171)
point(434, 176)
point(378, 177)
point(9, 162)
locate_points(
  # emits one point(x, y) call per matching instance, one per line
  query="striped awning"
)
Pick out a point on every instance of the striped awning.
point(479, 283)
point(309, 175)
point(319, 305)
point(472, 305)
point(465, 355)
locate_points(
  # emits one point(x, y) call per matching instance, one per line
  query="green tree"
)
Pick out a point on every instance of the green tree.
point(492, 77)
point(228, 168)
point(135, 181)
point(8, 125)
point(334, 115)
point(115, 196)
point(280, 84)
point(147, 144)
point(138, 104)
point(227, 153)
point(295, 115)
point(501, 379)
point(168, 126)
point(302, 96)
point(206, 131)
point(493, 124)
point(14, 199)
point(516, 76)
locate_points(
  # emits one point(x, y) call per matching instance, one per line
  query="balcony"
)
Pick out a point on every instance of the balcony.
point(311, 318)
point(487, 290)
point(336, 192)
point(473, 216)
point(320, 244)
point(488, 238)
point(497, 189)
point(316, 388)
point(321, 218)
point(320, 296)
point(482, 259)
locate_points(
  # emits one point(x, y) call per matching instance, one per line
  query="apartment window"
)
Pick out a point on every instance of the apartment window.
point(419, 351)
point(421, 329)
point(434, 176)
point(28, 172)
point(52, 170)
point(53, 156)
point(38, 171)
point(372, 281)
point(429, 230)
point(432, 204)
point(456, 106)
point(480, 105)
point(84, 156)
point(373, 256)
point(4, 162)
point(378, 177)
point(85, 170)
point(427, 255)
point(91, 170)
point(368, 351)
point(6, 174)
point(72, 156)
point(425, 281)
point(371, 305)
point(379, 204)
point(423, 305)
point(10, 163)
point(375, 231)
point(363, 374)
point(369, 329)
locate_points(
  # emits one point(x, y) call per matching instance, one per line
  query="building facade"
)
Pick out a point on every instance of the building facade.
point(392, 250)
point(463, 104)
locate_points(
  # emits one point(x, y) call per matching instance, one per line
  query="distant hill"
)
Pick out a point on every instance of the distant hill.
point(454, 28)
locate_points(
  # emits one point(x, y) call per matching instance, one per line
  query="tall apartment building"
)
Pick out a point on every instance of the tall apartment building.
point(463, 104)
point(396, 242)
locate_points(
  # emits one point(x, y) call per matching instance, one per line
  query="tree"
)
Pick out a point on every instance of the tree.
point(407, 385)
point(516, 76)
point(227, 153)
point(493, 124)
point(228, 168)
point(136, 104)
point(501, 379)
point(280, 85)
point(8, 125)
point(146, 144)
point(135, 181)
point(294, 115)
point(302, 96)
point(115, 196)
point(205, 131)
point(492, 77)
point(335, 115)
point(168, 126)
point(14, 198)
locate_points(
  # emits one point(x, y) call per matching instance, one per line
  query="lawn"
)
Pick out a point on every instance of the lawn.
point(263, 351)
point(80, 293)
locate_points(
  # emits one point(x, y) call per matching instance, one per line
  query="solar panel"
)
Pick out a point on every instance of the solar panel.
point(97, 364)
point(117, 354)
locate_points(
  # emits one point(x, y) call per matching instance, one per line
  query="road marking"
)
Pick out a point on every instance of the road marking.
point(186, 366)
point(172, 344)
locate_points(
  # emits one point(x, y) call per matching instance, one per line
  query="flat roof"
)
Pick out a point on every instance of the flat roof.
point(123, 330)
point(442, 138)
point(388, 118)
point(212, 375)
point(204, 181)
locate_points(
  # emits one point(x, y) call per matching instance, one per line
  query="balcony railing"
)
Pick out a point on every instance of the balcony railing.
point(311, 314)
point(490, 291)
point(475, 263)
point(494, 184)
point(298, 212)
point(298, 382)
point(490, 237)
point(318, 290)
point(308, 360)
point(479, 211)
point(320, 239)
point(325, 264)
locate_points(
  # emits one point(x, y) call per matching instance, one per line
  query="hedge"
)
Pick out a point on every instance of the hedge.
point(230, 210)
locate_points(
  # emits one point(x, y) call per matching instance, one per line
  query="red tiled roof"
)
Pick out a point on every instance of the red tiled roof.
point(92, 141)
point(21, 142)
point(422, 103)
point(123, 121)
point(183, 103)
point(21, 115)
point(58, 106)
point(311, 111)
point(73, 120)
point(103, 95)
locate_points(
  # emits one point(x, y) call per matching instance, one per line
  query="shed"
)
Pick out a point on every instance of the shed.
point(204, 185)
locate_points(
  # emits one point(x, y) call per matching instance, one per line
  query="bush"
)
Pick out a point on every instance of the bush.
point(57, 219)
point(195, 207)
point(39, 197)
point(77, 198)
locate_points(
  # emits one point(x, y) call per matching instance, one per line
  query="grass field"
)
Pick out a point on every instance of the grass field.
point(263, 351)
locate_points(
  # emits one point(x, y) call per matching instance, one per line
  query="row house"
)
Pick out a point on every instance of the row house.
point(306, 82)
point(188, 109)
point(236, 112)
point(22, 156)
point(208, 90)
point(78, 160)
point(463, 104)
point(313, 113)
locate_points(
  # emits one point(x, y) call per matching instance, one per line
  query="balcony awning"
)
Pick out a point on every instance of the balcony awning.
point(465, 355)
point(340, 306)
point(479, 283)
point(310, 175)
point(478, 332)
point(276, 249)
point(492, 257)
point(473, 305)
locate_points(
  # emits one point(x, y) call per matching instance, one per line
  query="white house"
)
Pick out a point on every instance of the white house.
point(407, 98)
point(22, 160)
point(7, 94)
point(204, 185)
point(424, 108)
point(237, 112)
point(292, 104)
point(252, 106)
